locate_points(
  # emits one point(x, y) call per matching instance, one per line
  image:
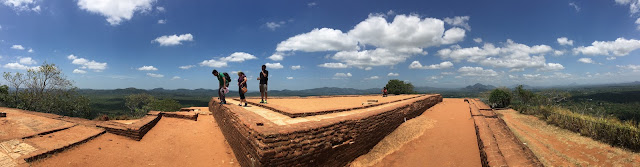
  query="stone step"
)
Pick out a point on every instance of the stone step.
point(59, 141)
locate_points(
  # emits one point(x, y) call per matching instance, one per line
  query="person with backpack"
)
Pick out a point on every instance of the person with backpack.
point(242, 85)
point(223, 81)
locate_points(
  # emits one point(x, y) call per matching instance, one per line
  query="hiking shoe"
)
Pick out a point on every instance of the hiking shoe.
point(261, 101)
point(239, 104)
point(265, 102)
point(245, 104)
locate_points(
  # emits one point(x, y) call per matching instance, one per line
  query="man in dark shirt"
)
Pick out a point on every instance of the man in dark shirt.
point(264, 77)
point(222, 84)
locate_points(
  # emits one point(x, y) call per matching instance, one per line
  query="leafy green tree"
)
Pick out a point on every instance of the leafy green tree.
point(46, 89)
point(4, 95)
point(526, 96)
point(500, 98)
point(165, 105)
point(397, 87)
point(138, 104)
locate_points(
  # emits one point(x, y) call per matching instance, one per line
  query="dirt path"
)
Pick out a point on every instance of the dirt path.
point(172, 142)
point(444, 135)
point(558, 147)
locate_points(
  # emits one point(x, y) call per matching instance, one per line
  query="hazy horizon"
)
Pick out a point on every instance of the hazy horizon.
point(311, 44)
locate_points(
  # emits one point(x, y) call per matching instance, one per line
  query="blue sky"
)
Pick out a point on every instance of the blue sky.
point(107, 44)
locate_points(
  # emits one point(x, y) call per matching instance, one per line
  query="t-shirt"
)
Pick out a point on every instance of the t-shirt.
point(263, 78)
point(240, 79)
point(221, 79)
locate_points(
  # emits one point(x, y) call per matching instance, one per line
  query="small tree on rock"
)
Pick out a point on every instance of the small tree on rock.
point(500, 98)
point(397, 87)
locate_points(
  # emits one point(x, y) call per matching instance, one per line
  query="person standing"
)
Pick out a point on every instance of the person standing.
point(384, 92)
point(242, 83)
point(222, 85)
point(264, 78)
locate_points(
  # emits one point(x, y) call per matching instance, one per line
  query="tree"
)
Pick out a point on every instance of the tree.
point(165, 105)
point(46, 89)
point(524, 95)
point(138, 104)
point(500, 98)
point(4, 95)
point(397, 87)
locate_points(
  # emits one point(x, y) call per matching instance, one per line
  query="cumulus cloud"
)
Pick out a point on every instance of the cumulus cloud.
point(274, 65)
point(116, 11)
point(18, 66)
point(477, 72)
point(310, 4)
point(372, 78)
point(564, 41)
point(477, 40)
point(213, 63)
point(341, 75)
point(175, 78)
point(393, 74)
point(551, 67)
point(558, 52)
point(186, 67)
point(586, 60)
point(619, 47)
point(162, 21)
point(30, 50)
point(392, 42)
point(160, 9)
point(634, 5)
point(274, 25)
point(289, 78)
point(27, 61)
point(87, 64)
point(147, 68)
point(173, 40)
point(635, 68)
point(333, 65)
point(22, 5)
point(276, 57)
point(512, 55)
point(460, 21)
point(78, 71)
point(443, 65)
point(17, 47)
point(155, 75)
point(222, 62)
point(296, 67)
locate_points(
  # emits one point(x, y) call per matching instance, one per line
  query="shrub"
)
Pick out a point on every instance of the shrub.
point(500, 98)
point(397, 87)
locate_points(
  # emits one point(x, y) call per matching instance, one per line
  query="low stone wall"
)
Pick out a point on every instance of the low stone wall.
point(182, 115)
point(135, 131)
point(331, 142)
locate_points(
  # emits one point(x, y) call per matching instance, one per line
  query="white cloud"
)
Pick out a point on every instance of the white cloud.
point(78, 71)
point(392, 42)
point(443, 65)
point(572, 4)
point(274, 65)
point(511, 55)
point(564, 41)
point(238, 57)
point(160, 9)
point(460, 21)
point(175, 77)
point(276, 57)
point(296, 67)
point(116, 11)
point(477, 40)
point(289, 78)
point(372, 78)
point(186, 67)
point(477, 72)
point(147, 68)
point(393, 74)
point(213, 63)
point(619, 47)
point(30, 50)
point(558, 52)
point(586, 60)
point(87, 64)
point(0, 27)
point(368, 68)
point(611, 58)
point(274, 25)
point(18, 66)
point(155, 75)
point(22, 5)
point(341, 75)
point(27, 61)
point(17, 47)
point(551, 67)
point(634, 5)
point(333, 65)
point(310, 4)
point(325, 39)
point(162, 21)
point(173, 40)
point(635, 68)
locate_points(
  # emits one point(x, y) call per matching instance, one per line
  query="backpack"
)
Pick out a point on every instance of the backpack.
point(227, 77)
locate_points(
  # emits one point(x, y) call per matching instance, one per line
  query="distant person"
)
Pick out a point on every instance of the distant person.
point(242, 83)
point(222, 80)
point(384, 92)
point(264, 77)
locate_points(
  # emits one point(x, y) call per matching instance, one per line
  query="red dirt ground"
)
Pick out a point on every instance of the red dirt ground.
point(304, 105)
point(18, 124)
point(450, 140)
point(172, 142)
point(558, 147)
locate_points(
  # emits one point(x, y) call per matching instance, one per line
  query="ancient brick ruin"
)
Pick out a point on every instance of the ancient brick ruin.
point(265, 135)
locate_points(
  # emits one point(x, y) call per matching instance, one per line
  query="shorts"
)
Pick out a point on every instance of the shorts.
point(263, 87)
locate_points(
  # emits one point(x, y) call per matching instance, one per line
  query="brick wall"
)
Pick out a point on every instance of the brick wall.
point(330, 143)
point(135, 131)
